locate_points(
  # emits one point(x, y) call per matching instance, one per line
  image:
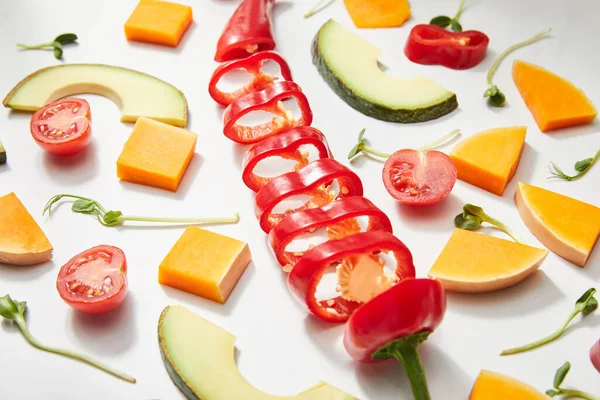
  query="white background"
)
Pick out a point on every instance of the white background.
point(282, 350)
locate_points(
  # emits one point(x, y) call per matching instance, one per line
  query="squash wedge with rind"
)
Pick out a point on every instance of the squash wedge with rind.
point(199, 357)
point(137, 94)
point(349, 65)
point(494, 386)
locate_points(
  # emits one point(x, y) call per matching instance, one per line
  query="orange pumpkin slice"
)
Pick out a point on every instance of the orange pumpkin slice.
point(476, 263)
point(493, 386)
point(378, 13)
point(554, 101)
point(489, 159)
point(567, 226)
point(22, 241)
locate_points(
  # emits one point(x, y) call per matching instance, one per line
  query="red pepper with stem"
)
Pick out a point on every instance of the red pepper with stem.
point(254, 66)
point(315, 179)
point(339, 218)
point(285, 145)
point(247, 31)
point(360, 272)
point(431, 44)
point(270, 100)
point(394, 323)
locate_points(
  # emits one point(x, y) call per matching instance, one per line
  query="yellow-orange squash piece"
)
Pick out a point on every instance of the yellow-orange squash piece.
point(490, 159)
point(22, 241)
point(158, 22)
point(475, 263)
point(493, 386)
point(156, 154)
point(378, 13)
point(554, 101)
point(205, 263)
point(567, 226)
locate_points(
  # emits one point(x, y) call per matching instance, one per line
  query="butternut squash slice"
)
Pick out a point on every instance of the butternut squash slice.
point(378, 13)
point(554, 101)
point(158, 22)
point(493, 386)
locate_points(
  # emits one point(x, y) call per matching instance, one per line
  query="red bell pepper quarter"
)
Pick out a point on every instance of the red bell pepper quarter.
point(269, 99)
point(315, 180)
point(394, 323)
point(360, 272)
point(285, 145)
point(247, 31)
point(339, 218)
point(431, 44)
point(254, 66)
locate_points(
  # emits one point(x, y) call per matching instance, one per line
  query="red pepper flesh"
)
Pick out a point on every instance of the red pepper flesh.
point(253, 65)
point(308, 271)
point(247, 31)
point(313, 179)
point(285, 145)
point(269, 100)
point(301, 222)
point(431, 44)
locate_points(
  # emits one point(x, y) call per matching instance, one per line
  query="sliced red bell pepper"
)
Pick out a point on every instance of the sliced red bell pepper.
point(269, 99)
point(431, 44)
point(285, 145)
point(338, 217)
point(394, 323)
point(247, 31)
point(314, 179)
point(254, 66)
point(349, 253)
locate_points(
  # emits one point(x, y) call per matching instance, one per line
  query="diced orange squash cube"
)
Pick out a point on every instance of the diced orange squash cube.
point(205, 263)
point(158, 22)
point(156, 154)
point(554, 101)
point(493, 386)
point(490, 159)
point(378, 13)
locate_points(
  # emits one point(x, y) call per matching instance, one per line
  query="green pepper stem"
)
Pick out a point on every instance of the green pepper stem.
point(578, 394)
point(410, 360)
point(460, 10)
point(213, 221)
point(70, 354)
point(318, 7)
point(440, 141)
point(504, 228)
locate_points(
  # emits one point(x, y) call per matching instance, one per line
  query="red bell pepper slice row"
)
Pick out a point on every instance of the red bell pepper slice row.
point(269, 99)
point(253, 65)
point(394, 323)
point(339, 217)
point(431, 44)
point(285, 145)
point(247, 31)
point(309, 270)
point(314, 179)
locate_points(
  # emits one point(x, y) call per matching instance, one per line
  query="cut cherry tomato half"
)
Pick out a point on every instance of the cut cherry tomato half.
point(64, 127)
point(94, 281)
point(417, 178)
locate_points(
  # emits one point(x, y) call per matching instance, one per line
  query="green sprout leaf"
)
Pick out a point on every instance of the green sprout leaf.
point(473, 216)
point(445, 21)
point(56, 45)
point(559, 377)
point(112, 218)
point(456, 26)
point(84, 206)
point(66, 38)
point(582, 166)
point(441, 21)
point(359, 146)
point(561, 373)
point(11, 309)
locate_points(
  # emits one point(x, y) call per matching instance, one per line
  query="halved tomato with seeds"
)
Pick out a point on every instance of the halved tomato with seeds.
point(63, 127)
point(419, 178)
point(94, 281)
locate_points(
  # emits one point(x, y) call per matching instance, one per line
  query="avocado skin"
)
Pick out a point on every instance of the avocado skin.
point(375, 110)
point(2, 154)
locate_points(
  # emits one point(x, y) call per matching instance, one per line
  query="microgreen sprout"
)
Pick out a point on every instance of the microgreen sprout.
point(559, 377)
point(445, 21)
point(581, 167)
point(56, 45)
point(473, 216)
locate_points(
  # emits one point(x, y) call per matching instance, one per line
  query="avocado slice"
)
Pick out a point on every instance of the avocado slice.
point(199, 357)
point(137, 94)
point(2, 154)
point(349, 65)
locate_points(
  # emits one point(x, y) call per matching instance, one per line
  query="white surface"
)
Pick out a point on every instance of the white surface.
point(282, 349)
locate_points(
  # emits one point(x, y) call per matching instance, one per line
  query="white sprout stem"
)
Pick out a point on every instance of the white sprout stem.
point(440, 141)
point(318, 7)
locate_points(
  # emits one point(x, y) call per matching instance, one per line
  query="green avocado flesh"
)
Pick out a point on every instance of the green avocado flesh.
point(2, 154)
point(199, 357)
point(137, 94)
point(349, 65)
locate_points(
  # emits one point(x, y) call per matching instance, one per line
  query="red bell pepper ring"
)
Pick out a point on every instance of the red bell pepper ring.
point(285, 145)
point(314, 179)
point(338, 217)
point(431, 44)
point(247, 31)
point(269, 99)
point(304, 278)
point(253, 65)
point(394, 323)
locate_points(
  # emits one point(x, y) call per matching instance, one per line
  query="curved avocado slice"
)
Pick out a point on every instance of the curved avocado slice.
point(349, 65)
point(137, 94)
point(199, 357)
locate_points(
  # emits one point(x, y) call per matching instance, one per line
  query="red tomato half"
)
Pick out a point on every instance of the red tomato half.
point(63, 127)
point(419, 178)
point(94, 281)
